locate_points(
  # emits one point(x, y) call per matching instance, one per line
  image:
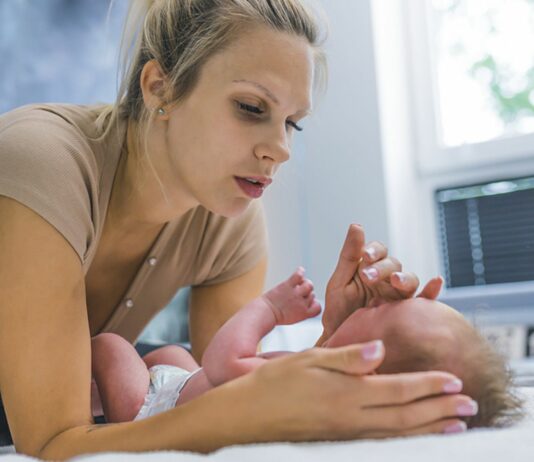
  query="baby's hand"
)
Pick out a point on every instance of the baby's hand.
point(293, 300)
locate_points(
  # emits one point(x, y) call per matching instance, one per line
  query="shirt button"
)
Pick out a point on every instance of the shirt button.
point(129, 303)
point(152, 261)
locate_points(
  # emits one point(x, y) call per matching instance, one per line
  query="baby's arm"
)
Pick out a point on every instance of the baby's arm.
point(232, 351)
point(121, 376)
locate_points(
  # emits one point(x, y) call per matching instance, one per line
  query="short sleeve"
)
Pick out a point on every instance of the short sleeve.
point(42, 167)
point(240, 244)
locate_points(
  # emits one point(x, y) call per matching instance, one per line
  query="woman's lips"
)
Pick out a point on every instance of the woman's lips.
point(250, 189)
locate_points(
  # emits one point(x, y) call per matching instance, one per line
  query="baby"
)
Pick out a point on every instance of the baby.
point(418, 335)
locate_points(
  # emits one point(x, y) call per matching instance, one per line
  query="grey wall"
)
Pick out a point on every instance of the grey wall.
point(58, 51)
point(336, 176)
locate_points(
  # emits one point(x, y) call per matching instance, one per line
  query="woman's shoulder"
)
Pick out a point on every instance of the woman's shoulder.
point(52, 119)
point(47, 162)
point(41, 140)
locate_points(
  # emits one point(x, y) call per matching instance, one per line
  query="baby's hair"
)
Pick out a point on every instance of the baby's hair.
point(491, 381)
point(485, 374)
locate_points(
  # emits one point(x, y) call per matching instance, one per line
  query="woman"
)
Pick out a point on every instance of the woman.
point(105, 212)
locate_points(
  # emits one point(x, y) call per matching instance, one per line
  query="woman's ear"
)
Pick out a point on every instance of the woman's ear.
point(153, 86)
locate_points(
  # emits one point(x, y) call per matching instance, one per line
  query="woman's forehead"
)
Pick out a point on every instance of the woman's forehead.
point(282, 65)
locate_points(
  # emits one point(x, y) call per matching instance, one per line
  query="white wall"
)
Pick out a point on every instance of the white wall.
point(336, 174)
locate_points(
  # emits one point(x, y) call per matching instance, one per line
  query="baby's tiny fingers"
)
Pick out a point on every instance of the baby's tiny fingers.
point(305, 288)
point(315, 308)
point(297, 277)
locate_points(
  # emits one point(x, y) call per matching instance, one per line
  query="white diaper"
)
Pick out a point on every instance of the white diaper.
point(166, 383)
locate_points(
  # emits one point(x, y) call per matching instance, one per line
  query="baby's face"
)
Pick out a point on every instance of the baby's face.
point(430, 325)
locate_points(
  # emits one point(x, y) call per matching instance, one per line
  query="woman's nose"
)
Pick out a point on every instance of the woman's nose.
point(276, 149)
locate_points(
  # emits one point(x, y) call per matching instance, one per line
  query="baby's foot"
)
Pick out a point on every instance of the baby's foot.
point(293, 300)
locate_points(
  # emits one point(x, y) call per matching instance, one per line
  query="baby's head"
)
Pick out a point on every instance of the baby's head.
point(422, 335)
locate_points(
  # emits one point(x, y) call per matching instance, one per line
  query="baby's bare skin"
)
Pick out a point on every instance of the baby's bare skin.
point(231, 353)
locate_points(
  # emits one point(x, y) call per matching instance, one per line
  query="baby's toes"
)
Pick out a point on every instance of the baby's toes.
point(297, 277)
point(305, 289)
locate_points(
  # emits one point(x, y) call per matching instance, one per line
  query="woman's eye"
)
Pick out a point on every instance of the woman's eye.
point(249, 108)
point(257, 111)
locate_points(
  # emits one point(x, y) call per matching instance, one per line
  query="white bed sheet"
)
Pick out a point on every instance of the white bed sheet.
point(489, 445)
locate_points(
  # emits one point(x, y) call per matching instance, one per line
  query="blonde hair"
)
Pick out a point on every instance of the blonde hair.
point(181, 35)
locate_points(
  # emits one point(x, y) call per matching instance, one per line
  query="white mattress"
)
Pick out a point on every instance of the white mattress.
point(490, 445)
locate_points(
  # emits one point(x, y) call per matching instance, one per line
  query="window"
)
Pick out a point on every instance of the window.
point(474, 74)
point(458, 145)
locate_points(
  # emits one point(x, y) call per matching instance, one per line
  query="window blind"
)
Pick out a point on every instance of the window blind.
point(487, 232)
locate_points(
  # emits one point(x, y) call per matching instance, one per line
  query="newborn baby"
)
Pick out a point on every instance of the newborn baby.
point(418, 335)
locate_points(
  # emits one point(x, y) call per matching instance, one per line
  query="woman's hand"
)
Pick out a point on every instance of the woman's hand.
point(365, 276)
point(328, 394)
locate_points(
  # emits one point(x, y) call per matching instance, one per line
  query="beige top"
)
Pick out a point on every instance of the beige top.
point(49, 163)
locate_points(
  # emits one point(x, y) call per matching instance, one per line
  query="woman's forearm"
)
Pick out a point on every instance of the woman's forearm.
point(198, 425)
point(318, 394)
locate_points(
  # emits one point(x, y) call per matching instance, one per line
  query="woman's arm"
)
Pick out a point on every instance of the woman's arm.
point(45, 374)
point(45, 354)
point(211, 306)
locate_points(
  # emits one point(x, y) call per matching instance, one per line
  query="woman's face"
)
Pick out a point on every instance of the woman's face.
point(238, 121)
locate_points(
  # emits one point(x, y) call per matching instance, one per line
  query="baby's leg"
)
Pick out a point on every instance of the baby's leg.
point(121, 376)
point(173, 355)
point(232, 351)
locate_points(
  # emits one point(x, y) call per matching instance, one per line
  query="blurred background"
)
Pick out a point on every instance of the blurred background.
point(424, 136)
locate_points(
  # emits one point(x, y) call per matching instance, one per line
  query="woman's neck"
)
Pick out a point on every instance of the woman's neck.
point(138, 202)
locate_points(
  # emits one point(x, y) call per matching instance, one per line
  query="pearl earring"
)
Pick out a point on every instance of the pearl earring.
point(161, 111)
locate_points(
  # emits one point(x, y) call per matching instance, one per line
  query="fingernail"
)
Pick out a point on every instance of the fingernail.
point(370, 273)
point(457, 427)
point(371, 253)
point(373, 350)
point(401, 276)
point(467, 409)
point(454, 386)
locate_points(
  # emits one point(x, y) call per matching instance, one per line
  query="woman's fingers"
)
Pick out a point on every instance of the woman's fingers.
point(380, 270)
point(349, 257)
point(432, 288)
point(420, 413)
point(406, 283)
point(404, 388)
point(441, 426)
point(357, 359)
point(374, 251)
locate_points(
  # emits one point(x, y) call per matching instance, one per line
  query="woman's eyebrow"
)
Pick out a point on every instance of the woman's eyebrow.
point(261, 87)
point(269, 94)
